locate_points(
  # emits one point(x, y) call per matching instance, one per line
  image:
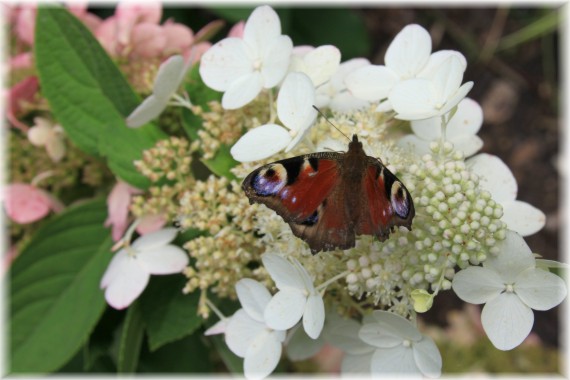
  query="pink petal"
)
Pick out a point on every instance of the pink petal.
point(195, 52)
point(150, 223)
point(22, 92)
point(237, 30)
point(25, 203)
point(106, 34)
point(21, 61)
point(209, 31)
point(178, 38)
point(26, 23)
point(130, 14)
point(148, 40)
point(118, 203)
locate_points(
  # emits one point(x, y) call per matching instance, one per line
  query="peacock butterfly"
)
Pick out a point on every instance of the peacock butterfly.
point(330, 197)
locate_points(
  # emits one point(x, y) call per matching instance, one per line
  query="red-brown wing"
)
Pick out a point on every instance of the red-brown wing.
point(385, 202)
point(295, 187)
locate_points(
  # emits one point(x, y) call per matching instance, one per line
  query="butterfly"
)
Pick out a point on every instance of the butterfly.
point(328, 198)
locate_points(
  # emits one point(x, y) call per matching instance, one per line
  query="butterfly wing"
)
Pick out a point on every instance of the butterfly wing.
point(385, 202)
point(304, 191)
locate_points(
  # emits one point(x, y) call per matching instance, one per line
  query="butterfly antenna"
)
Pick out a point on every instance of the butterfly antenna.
point(334, 126)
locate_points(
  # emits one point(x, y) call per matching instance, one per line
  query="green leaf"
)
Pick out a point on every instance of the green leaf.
point(55, 299)
point(221, 163)
point(168, 314)
point(233, 363)
point(132, 335)
point(195, 357)
point(547, 24)
point(88, 94)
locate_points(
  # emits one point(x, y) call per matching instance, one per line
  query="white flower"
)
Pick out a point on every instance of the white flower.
point(335, 95)
point(248, 335)
point(432, 95)
point(44, 133)
point(461, 130)
point(295, 110)
point(170, 75)
point(399, 347)
point(408, 53)
point(511, 286)
point(318, 63)
point(242, 67)
point(297, 297)
point(497, 179)
point(129, 271)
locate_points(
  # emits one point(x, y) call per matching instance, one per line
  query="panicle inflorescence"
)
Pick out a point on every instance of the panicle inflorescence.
point(167, 165)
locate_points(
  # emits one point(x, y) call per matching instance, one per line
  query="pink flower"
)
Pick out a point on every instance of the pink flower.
point(150, 223)
point(237, 30)
point(26, 203)
point(19, 95)
point(118, 208)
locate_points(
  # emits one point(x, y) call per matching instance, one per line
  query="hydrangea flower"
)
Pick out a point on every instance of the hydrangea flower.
point(399, 347)
point(242, 67)
point(26, 203)
point(129, 271)
point(296, 299)
point(294, 108)
point(510, 285)
point(318, 63)
point(461, 130)
point(170, 75)
point(46, 134)
point(247, 333)
point(496, 177)
point(434, 94)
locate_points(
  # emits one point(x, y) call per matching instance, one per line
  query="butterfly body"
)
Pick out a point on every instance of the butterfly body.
point(329, 198)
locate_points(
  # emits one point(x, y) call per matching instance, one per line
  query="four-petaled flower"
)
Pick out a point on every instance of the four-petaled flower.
point(297, 297)
point(247, 333)
point(129, 271)
point(46, 134)
point(294, 108)
point(510, 285)
point(242, 67)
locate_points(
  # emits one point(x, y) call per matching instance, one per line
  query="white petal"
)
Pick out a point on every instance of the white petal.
point(344, 69)
point(167, 259)
point(218, 328)
point(456, 97)
point(242, 91)
point(522, 217)
point(409, 51)
point(397, 325)
point(467, 119)
point(262, 26)
point(55, 147)
point(494, 176)
point(148, 110)
point(345, 102)
point(298, 136)
point(414, 144)
point(253, 297)
point(427, 357)
point(371, 83)
point(295, 102)
point(384, 106)
point(285, 309)
point(469, 145)
point(224, 63)
point(477, 285)
point(436, 59)
point(155, 239)
point(427, 129)
point(301, 347)
point(282, 272)
point(343, 333)
point(125, 282)
point(39, 135)
point(447, 78)
point(260, 143)
point(276, 61)
point(413, 99)
point(241, 331)
point(169, 76)
point(119, 263)
point(507, 321)
point(314, 316)
point(379, 335)
point(395, 360)
point(353, 364)
point(540, 289)
point(515, 256)
point(321, 63)
point(262, 356)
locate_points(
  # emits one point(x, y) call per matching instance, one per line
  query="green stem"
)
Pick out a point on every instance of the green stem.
point(330, 281)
